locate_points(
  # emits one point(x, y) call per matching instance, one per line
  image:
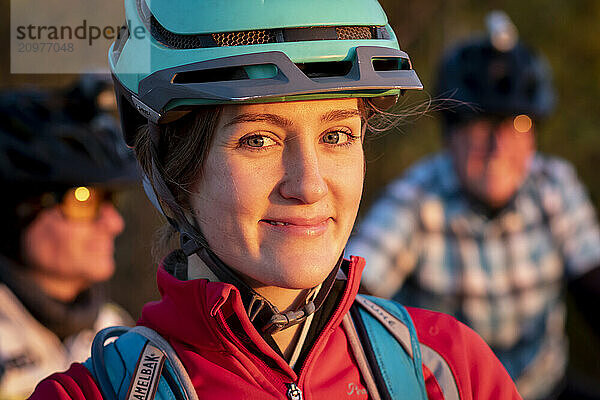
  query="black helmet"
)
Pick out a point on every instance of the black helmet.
point(49, 140)
point(49, 143)
point(495, 75)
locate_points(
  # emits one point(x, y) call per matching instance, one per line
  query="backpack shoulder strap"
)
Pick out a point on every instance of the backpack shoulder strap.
point(138, 365)
point(391, 347)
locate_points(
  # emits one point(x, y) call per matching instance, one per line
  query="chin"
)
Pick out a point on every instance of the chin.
point(499, 195)
point(103, 271)
point(305, 274)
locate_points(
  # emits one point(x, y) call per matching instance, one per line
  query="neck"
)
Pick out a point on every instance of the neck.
point(197, 269)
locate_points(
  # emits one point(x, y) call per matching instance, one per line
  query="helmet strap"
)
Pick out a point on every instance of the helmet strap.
point(285, 320)
point(265, 316)
point(191, 240)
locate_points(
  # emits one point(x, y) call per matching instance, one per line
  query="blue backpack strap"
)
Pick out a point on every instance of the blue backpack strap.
point(138, 365)
point(392, 347)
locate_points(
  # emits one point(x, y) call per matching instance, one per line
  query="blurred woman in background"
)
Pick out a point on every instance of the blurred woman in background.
point(58, 167)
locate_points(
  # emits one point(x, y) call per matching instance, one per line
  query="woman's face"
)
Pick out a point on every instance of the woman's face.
point(280, 189)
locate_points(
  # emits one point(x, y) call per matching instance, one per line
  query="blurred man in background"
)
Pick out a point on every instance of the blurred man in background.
point(61, 156)
point(489, 230)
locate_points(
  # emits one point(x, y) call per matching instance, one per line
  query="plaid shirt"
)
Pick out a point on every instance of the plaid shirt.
point(428, 246)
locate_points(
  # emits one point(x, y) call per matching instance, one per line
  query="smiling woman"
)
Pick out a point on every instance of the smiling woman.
point(260, 170)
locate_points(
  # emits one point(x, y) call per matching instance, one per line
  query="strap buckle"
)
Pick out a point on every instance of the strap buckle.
point(290, 318)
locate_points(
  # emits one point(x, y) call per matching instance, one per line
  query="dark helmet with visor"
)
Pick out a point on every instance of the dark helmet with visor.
point(495, 75)
point(174, 56)
point(48, 146)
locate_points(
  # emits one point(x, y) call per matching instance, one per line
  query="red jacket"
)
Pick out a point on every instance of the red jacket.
point(192, 314)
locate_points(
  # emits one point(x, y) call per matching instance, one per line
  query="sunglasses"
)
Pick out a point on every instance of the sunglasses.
point(83, 203)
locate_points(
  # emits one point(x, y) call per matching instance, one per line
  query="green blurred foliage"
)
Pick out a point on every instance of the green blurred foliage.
point(566, 32)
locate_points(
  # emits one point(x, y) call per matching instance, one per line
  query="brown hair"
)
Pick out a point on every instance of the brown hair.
point(180, 153)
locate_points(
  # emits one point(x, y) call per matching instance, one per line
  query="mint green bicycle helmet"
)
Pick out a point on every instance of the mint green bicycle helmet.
point(173, 55)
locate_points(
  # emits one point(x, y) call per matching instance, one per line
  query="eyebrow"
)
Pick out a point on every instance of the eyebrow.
point(331, 116)
point(340, 115)
point(251, 117)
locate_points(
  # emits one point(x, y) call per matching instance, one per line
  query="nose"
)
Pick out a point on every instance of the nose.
point(303, 180)
point(110, 219)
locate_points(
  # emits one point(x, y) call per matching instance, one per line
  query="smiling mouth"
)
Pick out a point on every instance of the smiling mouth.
point(297, 221)
point(277, 223)
point(299, 226)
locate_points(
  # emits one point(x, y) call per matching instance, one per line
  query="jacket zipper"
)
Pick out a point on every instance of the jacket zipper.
point(294, 392)
point(311, 353)
point(291, 389)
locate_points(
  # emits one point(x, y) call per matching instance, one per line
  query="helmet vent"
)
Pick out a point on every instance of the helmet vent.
point(354, 32)
point(391, 64)
point(120, 42)
point(177, 41)
point(244, 38)
point(264, 36)
point(325, 69)
point(211, 75)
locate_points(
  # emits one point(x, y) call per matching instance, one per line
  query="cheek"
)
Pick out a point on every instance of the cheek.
point(229, 195)
point(347, 180)
point(37, 248)
point(357, 179)
point(521, 167)
point(518, 153)
point(469, 166)
point(525, 148)
point(49, 247)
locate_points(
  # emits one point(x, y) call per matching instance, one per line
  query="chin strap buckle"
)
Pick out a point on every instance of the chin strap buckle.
point(285, 320)
point(189, 245)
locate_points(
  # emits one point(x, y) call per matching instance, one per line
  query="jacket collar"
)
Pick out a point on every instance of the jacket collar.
point(193, 312)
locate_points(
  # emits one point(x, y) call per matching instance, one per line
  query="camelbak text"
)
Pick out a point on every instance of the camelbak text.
point(147, 374)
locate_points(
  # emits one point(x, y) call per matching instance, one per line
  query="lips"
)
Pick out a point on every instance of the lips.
point(298, 226)
point(299, 221)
